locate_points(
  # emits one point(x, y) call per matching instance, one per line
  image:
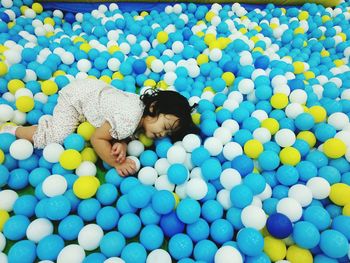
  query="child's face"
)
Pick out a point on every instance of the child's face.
point(160, 126)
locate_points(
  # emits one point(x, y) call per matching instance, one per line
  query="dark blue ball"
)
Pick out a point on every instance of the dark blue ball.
point(279, 225)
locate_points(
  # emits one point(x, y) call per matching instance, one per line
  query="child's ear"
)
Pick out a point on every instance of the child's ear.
point(152, 107)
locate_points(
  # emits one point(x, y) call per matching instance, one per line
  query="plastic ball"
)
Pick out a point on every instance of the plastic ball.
point(86, 168)
point(133, 253)
point(296, 254)
point(129, 225)
point(52, 152)
point(177, 173)
point(334, 244)
point(49, 247)
point(15, 227)
point(86, 130)
point(71, 253)
point(151, 237)
point(86, 186)
point(253, 148)
point(245, 86)
point(22, 251)
point(290, 155)
point(54, 185)
point(112, 244)
point(306, 235)
point(250, 241)
point(74, 141)
point(57, 207)
point(70, 227)
point(290, 207)
point(176, 154)
point(228, 252)
point(180, 246)
point(90, 236)
point(7, 197)
point(275, 248)
point(340, 194)
point(147, 175)
point(163, 202)
point(301, 193)
point(25, 104)
point(70, 159)
point(221, 231)
point(196, 188)
point(254, 217)
point(319, 187)
point(279, 225)
point(188, 211)
point(334, 148)
point(241, 196)
point(158, 256)
point(21, 149)
point(7, 113)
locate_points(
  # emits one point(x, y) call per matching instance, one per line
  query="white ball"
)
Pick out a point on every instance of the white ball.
point(338, 120)
point(7, 199)
point(135, 148)
point(245, 58)
point(319, 187)
point(232, 125)
point(113, 64)
point(86, 168)
point(223, 134)
point(267, 193)
point(301, 193)
point(196, 172)
point(9, 97)
point(19, 117)
point(114, 260)
point(246, 86)
point(180, 190)
point(278, 80)
point(229, 178)
point(136, 161)
point(236, 96)
point(293, 110)
point(228, 254)
point(21, 149)
point(344, 136)
point(147, 175)
point(169, 66)
point(223, 197)
point(253, 216)
point(298, 96)
point(7, 3)
point(41, 97)
point(6, 113)
point(2, 242)
point(38, 229)
point(52, 152)
point(12, 56)
point(177, 47)
point(290, 208)
point(3, 257)
point(231, 105)
point(72, 254)
point(188, 162)
point(170, 78)
point(215, 54)
point(157, 66)
point(162, 166)
point(285, 137)
point(54, 185)
point(84, 65)
point(213, 145)
point(23, 92)
point(260, 115)
point(176, 154)
point(262, 134)
point(231, 150)
point(163, 183)
point(159, 256)
point(67, 58)
point(90, 236)
point(196, 188)
point(191, 142)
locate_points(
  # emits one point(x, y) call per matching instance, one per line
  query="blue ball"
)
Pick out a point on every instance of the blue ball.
point(304, 121)
point(25, 205)
point(149, 216)
point(180, 246)
point(334, 244)
point(250, 241)
point(199, 155)
point(129, 225)
point(134, 253)
point(331, 174)
point(17, 71)
point(139, 196)
point(241, 196)
point(221, 231)
point(88, 209)
point(306, 235)
point(113, 177)
point(151, 237)
point(243, 164)
point(171, 224)
point(177, 173)
point(268, 160)
point(188, 210)
point(148, 158)
point(279, 225)
point(5, 174)
point(124, 206)
point(127, 184)
point(212, 210)
point(198, 231)
point(18, 179)
point(49, 247)
point(57, 207)
point(112, 244)
point(107, 218)
point(255, 182)
point(74, 141)
point(70, 227)
point(6, 139)
point(205, 250)
point(15, 227)
point(211, 169)
point(287, 175)
point(262, 62)
point(94, 258)
point(342, 224)
point(306, 170)
point(163, 202)
point(139, 66)
point(23, 251)
point(107, 194)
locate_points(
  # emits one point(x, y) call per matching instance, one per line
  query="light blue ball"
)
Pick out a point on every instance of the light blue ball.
point(70, 227)
point(5, 174)
point(331, 174)
point(304, 121)
point(74, 141)
point(188, 210)
point(211, 169)
point(334, 244)
point(127, 184)
point(134, 253)
point(306, 235)
point(306, 170)
point(88, 209)
point(129, 225)
point(318, 216)
point(15, 227)
point(112, 244)
point(107, 194)
point(287, 175)
point(241, 196)
point(151, 237)
point(25, 205)
point(57, 207)
point(49, 247)
point(221, 231)
point(342, 224)
point(139, 196)
point(149, 216)
point(205, 250)
point(17, 71)
point(180, 246)
point(148, 158)
point(107, 218)
point(255, 182)
point(6, 139)
point(262, 258)
point(177, 173)
point(268, 160)
point(199, 155)
point(94, 258)
point(18, 179)
point(30, 163)
point(250, 241)
point(124, 206)
point(212, 210)
point(113, 177)
point(324, 259)
point(198, 230)
point(163, 202)
point(23, 251)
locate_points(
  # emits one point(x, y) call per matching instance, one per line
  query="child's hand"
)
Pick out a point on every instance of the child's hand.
point(126, 168)
point(118, 151)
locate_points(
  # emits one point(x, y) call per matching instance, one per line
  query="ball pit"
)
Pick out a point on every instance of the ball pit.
point(266, 180)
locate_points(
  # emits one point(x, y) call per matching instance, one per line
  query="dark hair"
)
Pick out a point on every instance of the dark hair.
point(170, 102)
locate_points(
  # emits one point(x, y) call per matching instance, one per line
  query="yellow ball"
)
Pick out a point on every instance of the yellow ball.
point(88, 154)
point(162, 37)
point(15, 84)
point(117, 75)
point(343, 36)
point(86, 130)
point(202, 58)
point(147, 142)
point(114, 48)
point(144, 13)
point(86, 186)
point(298, 67)
point(325, 18)
point(273, 25)
point(209, 16)
point(228, 77)
point(25, 103)
point(334, 148)
point(339, 62)
point(196, 118)
point(307, 136)
point(38, 8)
point(299, 30)
point(106, 79)
point(149, 60)
point(274, 248)
point(177, 199)
point(296, 254)
point(149, 83)
point(271, 124)
point(70, 159)
point(279, 101)
point(346, 210)
point(303, 15)
point(324, 53)
point(85, 47)
point(3, 68)
point(215, 44)
point(340, 194)
point(318, 112)
point(253, 148)
point(2, 156)
point(290, 155)
point(4, 216)
point(59, 73)
point(49, 20)
point(309, 75)
point(210, 89)
point(208, 38)
point(49, 87)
